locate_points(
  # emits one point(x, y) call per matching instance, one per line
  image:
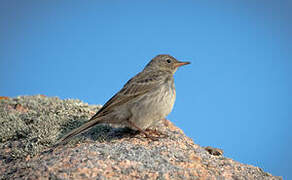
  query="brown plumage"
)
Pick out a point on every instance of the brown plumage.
point(144, 100)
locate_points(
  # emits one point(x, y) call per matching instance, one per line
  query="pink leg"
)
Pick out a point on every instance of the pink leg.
point(147, 135)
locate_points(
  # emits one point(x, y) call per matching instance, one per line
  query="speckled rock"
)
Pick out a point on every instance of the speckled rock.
point(30, 125)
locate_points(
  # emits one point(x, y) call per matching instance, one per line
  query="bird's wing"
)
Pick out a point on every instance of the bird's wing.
point(135, 87)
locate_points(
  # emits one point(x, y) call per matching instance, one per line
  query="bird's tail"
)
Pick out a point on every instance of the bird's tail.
point(79, 130)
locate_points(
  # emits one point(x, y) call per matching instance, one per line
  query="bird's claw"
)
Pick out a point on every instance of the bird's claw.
point(156, 132)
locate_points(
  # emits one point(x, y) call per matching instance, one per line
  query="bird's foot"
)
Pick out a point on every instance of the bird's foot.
point(156, 132)
point(153, 138)
point(144, 132)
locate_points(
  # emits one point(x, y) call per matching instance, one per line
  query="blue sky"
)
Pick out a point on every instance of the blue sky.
point(236, 94)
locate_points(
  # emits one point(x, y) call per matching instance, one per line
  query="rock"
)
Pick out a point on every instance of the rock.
point(30, 126)
point(214, 151)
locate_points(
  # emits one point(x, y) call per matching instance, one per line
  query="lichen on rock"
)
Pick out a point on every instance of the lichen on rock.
point(31, 125)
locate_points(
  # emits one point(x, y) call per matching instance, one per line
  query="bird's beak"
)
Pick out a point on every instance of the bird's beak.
point(178, 64)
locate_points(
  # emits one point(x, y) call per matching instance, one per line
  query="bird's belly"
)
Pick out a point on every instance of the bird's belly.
point(153, 107)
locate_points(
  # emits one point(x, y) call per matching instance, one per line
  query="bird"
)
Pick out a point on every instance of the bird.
point(143, 101)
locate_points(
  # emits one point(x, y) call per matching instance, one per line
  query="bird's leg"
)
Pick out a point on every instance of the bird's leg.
point(153, 131)
point(156, 132)
point(144, 132)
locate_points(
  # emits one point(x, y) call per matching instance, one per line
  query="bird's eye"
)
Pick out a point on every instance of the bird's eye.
point(168, 61)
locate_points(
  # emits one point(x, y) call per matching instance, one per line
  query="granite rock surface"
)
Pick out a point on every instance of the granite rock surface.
point(30, 126)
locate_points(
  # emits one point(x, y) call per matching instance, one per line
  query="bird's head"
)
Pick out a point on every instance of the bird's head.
point(165, 62)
